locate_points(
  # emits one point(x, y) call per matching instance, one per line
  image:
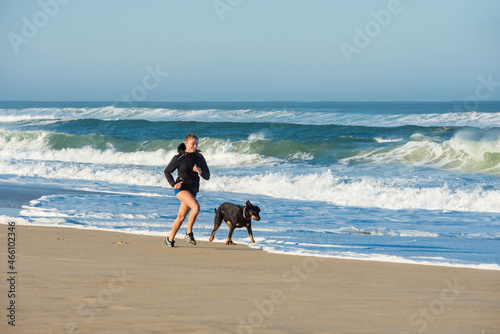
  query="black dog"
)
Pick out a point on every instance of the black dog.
point(236, 216)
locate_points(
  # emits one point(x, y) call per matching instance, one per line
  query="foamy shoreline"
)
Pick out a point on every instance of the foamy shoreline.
point(21, 204)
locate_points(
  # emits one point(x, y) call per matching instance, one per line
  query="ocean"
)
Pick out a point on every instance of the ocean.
point(407, 182)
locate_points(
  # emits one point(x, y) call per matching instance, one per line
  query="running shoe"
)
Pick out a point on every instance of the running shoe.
point(169, 243)
point(189, 237)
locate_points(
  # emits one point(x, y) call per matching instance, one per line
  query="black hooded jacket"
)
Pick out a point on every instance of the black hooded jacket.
point(184, 163)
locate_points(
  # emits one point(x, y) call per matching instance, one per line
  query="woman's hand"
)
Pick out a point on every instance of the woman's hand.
point(178, 185)
point(197, 169)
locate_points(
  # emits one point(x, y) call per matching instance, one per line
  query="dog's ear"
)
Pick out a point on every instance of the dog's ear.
point(249, 204)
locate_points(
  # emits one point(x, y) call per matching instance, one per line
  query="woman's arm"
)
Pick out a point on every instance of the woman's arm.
point(205, 172)
point(173, 165)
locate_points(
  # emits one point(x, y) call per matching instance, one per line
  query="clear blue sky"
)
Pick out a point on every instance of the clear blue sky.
point(260, 50)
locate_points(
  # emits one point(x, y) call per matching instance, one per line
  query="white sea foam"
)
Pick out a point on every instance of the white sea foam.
point(36, 146)
point(90, 155)
point(261, 135)
point(322, 186)
point(468, 151)
point(361, 193)
point(471, 118)
point(385, 232)
point(377, 257)
point(382, 140)
point(28, 117)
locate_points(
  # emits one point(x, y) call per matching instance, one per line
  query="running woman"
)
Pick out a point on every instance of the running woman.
point(190, 165)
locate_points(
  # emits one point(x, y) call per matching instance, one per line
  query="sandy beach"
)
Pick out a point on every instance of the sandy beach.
point(87, 281)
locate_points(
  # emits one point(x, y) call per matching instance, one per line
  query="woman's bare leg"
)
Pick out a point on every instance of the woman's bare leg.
point(188, 203)
point(181, 215)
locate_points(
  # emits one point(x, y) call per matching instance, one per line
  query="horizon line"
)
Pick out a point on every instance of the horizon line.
point(258, 101)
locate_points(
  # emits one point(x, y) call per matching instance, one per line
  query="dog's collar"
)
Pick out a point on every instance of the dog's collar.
point(244, 209)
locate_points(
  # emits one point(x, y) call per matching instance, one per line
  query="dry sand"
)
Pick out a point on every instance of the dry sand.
point(85, 281)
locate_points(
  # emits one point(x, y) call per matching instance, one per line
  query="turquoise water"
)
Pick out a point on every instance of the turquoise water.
point(403, 182)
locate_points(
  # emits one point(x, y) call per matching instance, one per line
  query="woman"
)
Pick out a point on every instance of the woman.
point(190, 164)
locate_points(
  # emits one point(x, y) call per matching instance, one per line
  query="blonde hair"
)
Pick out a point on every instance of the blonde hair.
point(190, 136)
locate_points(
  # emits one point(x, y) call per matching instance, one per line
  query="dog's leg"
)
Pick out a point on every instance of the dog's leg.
point(249, 229)
point(217, 221)
point(231, 230)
